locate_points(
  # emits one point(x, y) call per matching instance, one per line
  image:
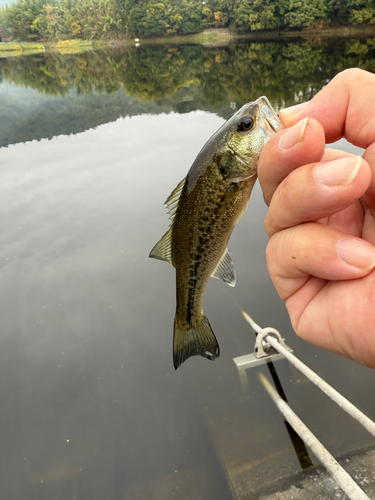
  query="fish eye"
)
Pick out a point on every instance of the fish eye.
point(246, 124)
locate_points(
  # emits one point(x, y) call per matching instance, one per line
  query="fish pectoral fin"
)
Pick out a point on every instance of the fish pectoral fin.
point(242, 177)
point(163, 248)
point(225, 269)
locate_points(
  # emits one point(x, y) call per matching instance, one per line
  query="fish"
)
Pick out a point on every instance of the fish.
point(204, 208)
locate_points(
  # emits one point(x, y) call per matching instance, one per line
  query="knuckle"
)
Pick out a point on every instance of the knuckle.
point(269, 224)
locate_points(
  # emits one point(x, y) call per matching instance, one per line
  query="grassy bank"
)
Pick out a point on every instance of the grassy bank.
point(17, 49)
point(63, 47)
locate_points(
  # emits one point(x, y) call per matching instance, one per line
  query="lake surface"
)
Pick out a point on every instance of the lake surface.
point(91, 407)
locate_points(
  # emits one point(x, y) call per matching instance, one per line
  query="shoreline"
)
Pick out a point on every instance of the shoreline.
point(210, 37)
point(225, 35)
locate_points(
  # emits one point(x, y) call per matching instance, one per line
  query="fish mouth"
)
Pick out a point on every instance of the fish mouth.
point(270, 122)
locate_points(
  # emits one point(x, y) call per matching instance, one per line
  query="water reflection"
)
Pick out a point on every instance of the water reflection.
point(91, 405)
point(85, 369)
point(234, 71)
point(101, 86)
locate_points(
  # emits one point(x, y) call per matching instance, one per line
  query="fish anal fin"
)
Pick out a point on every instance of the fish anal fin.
point(163, 248)
point(194, 340)
point(225, 269)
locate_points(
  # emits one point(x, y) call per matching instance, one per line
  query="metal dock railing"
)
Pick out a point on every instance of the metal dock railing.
point(269, 347)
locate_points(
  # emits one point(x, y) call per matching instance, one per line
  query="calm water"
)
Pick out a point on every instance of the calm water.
point(91, 407)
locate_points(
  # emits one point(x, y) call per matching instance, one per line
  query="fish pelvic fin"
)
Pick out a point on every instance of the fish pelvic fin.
point(225, 269)
point(163, 248)
point(194, 340)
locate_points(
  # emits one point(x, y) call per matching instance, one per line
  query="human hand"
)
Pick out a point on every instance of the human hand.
point(321, 217)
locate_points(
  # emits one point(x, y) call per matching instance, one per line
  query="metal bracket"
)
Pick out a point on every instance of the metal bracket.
point(262, 348)
point(263, 352)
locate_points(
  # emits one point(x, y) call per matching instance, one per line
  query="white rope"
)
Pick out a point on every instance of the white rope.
point(346, 405)
point(343, 479)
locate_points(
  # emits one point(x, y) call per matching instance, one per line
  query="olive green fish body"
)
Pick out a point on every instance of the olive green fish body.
point(200, 236)
point(201, 231)
point(204, 208)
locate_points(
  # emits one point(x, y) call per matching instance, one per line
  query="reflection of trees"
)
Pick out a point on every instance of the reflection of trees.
point(358, 50)
point(56, 74)
point(158, 73)
point(285, 72)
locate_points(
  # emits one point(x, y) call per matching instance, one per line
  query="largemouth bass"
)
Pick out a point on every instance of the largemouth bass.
point(204, 208)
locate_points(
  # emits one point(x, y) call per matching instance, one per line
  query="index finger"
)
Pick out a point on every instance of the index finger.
point(287, 150)
point(345, 108)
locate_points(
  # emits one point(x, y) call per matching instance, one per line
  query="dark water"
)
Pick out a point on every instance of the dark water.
point(91, 406)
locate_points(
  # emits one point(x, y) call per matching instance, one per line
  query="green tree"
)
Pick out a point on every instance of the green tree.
point(24, 18)
point(97, 18)
point(225, 12)
point(192, 21)
point(361, 11)
point(265, 14)
point(147, 19)
point(303, 13)
point(46, 23)
point(6, 32)
point(70, 25)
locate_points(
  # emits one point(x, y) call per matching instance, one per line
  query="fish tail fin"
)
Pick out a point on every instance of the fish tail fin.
point(193, 341)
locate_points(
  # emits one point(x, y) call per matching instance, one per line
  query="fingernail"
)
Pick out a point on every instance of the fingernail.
point(338, 172)
point(288, 113)
point(293, 135)
point(356, 253)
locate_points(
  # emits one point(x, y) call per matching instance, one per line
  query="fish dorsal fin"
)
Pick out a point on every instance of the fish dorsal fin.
point(163, 248)
point(225, 269)
point(174, 198)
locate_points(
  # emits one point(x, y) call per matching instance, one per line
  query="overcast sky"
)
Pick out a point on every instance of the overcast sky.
point(5, 2)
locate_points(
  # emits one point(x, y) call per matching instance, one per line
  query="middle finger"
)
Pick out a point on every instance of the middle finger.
point(315, 191)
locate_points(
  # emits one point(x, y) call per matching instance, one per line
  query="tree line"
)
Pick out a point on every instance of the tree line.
point(52, 20)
